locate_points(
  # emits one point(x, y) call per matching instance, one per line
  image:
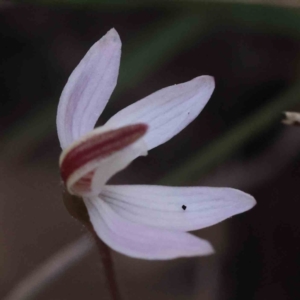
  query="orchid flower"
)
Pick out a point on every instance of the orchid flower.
point(142, 221)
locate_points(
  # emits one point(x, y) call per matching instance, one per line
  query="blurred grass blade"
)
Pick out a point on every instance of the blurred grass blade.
point(219, 150)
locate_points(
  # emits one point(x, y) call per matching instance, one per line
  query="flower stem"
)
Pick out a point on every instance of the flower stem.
point(76, 207)
point(108, 265)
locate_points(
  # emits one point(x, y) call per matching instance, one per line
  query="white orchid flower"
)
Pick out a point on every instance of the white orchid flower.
point(142, 221)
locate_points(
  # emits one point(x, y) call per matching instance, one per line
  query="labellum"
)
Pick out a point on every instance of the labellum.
point(79, 162)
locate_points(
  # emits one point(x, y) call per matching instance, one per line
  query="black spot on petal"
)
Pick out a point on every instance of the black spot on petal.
point(183, 207)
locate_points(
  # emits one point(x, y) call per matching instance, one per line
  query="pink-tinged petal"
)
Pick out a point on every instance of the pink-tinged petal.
point(177, 208)
point(88, 89)
point(141, 241)
point(167, 111)
point(87, 164)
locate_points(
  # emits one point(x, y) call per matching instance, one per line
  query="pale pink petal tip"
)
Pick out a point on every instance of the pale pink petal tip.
point(113, 35)
point(208, 82)
point(246, 201)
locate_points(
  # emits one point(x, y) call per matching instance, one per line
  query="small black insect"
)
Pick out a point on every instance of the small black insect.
point(183, 207)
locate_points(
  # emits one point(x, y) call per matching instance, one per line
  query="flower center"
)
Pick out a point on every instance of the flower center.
point(79, 162)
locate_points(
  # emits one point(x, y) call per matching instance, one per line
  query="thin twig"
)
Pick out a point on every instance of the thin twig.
point(51, 269)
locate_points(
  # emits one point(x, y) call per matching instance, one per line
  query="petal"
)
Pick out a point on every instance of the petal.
point(88, 89)
point(179, 208)
point(88, 163)
point(291, 118)
point(141, 241)
point(167, 111)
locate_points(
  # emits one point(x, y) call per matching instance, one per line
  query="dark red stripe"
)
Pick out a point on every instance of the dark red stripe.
point(100, 146)
point(83, 185)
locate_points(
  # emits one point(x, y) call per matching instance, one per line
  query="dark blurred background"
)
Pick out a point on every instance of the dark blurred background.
point(238, 141)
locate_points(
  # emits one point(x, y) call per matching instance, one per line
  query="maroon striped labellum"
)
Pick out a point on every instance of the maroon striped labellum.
point(94, 147)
